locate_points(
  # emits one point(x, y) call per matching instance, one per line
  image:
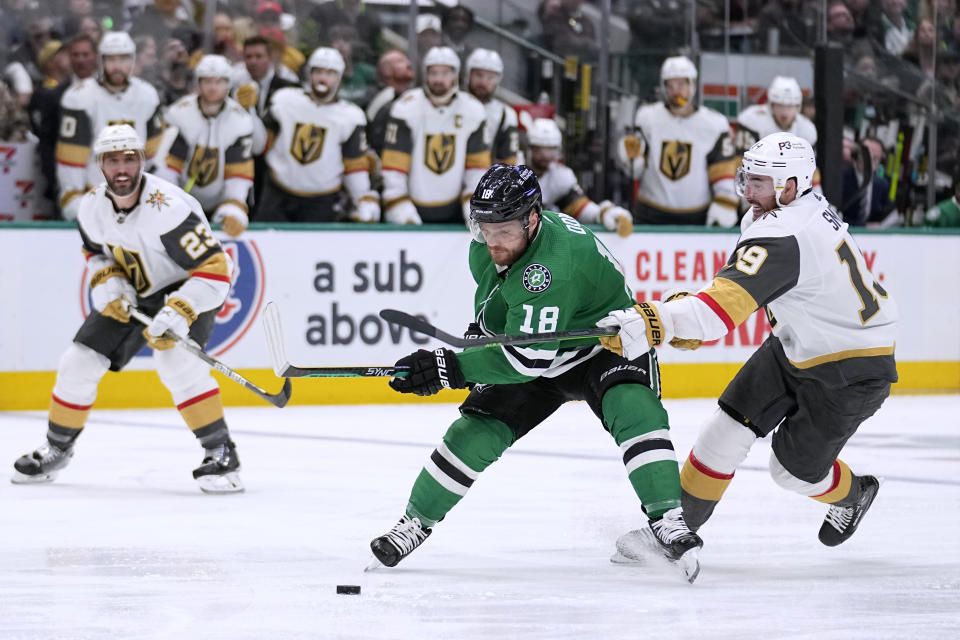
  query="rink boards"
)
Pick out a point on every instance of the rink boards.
point(331, 281)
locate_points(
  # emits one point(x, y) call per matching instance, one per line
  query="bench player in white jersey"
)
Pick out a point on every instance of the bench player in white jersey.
point(316, 147)
point(211, 155)
point(90, 105)
point(484, 68)
point(148, 242)
point(561, 191)
point(683, 156)
point(780, 113)
point(434, 147)
point(828, 364)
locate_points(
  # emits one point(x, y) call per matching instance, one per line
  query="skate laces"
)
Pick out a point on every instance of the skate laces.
point(47, 453)
point(671, 526)
point(839, 517)
point(407, 535)
point(216, 454)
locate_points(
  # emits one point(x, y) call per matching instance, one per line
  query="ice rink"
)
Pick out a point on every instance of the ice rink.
point(124, 545)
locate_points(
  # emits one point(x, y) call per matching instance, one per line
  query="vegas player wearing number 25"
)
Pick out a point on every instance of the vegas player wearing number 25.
point(826, 367)
point(539, 271)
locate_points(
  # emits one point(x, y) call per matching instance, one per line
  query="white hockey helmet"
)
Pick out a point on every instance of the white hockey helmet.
point(781, 156)
point(544, 132)
point(679, 67)
point(117, 43)
point(213, 66)
point(784, 90)
point(442, 55)
point(326, 58)
point(485, 59)
point(118, 137)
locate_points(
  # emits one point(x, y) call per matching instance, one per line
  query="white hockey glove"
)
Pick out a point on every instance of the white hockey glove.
point(232, 218)
point(175, 317)
point(72, 209)
point(721, 214)
point(616, 218)
point(108, 288)
point(366, 211)
point(640, 329)
point(403, 213)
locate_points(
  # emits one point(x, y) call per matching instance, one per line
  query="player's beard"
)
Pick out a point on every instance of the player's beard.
point(481, 94)
point(503, 256)
point(322, 92)
point(116, 79)
point(122, 184)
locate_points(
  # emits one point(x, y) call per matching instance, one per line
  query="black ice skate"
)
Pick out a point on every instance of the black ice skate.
point(218, 473)
point(42, 465)
point(667, 536)
point(842, 520)
point(399, 542)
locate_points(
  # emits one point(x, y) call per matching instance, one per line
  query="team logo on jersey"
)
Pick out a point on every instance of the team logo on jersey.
point(307, 142)
point(536, 278)
point(439, 152)
point(675, 157)
point(239, 310)
point(158, 199)
point(205, 165)
point(131, 262)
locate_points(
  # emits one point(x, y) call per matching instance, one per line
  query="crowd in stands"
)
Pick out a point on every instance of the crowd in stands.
point(336, 134)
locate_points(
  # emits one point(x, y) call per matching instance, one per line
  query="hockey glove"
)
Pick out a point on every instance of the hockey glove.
point(684, 344)
point(722, 214)
point(429, 372)
point(473, 332)
point(247, 95)
point(366, 211)
point(108, 288)
point(175, 317)
point(232, 218)
point(616, 218)
point(640, 329)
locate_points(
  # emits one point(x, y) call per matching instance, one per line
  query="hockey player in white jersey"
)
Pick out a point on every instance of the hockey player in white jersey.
point(211, 156)
point(683, 156)
point(780, 113)
point(828, 364)
point(484, 68)
point(88, 106)
point(561, 191)
point(316, 147)
point(146, 242)
point(434, 147)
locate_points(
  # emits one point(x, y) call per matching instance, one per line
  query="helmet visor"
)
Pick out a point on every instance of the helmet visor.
point(498, 233)
point(753, 185)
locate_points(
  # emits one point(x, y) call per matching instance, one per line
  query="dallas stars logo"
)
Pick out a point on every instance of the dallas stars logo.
point(536, 278)
point(158, 199)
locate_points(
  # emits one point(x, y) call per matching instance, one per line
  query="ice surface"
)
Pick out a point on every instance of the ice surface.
point(124, 545)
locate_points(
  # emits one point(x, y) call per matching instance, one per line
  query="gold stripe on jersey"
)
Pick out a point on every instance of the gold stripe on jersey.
point(368, 198)
point(394, 160)
point(477, 160)
point(660, 207)
point(294, 192)
point(150, 148)
point(242, 169)
point(355, 164)
point(844, 355)
point(175, 163)
point(573, 209)
point(75, 155)
point(389, 204)
point(723, 169)
point(732, 298)
point(215, 267)
point(242, 205)
point(70, 195)
point(840, 488)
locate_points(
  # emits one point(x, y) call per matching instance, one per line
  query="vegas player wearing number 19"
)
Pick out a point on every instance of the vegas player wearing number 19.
point(146, 241)
point(828, 364)
point(539, 271)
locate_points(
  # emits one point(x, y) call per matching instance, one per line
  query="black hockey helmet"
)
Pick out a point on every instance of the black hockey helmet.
point(506, 192)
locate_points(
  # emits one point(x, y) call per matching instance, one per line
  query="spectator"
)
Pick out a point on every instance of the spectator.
point(866, 195)
point(396, 74)
point(867, 19)
point(160, 20)
point(288, 59)
point(146, 66)
point(87, 26)
point(429, 33)
point(224, 38)
point(483, 72)
point(790, 25)
point(947, 212)
point(920, 50)
point(840, 23)
point(369, 42)
point(316, 148)
point(566, 30)
point(14, 120)
point(359, 80)
point(54, 63)
point(457, 23)
point(897, 32)
point(40, 32)
point(13, 22)
point(176, 77)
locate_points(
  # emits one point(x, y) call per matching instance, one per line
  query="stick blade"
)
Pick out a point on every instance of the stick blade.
point(281, 398)
point(273, 328)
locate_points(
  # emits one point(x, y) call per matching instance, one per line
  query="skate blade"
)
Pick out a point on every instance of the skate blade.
point(619, 558)
point(689, 564)
point(373, 564)
point(639, 547)
point(40, 478)
point(227, 483)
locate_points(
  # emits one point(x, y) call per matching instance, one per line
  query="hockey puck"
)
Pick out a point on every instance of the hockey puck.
point(350, 589)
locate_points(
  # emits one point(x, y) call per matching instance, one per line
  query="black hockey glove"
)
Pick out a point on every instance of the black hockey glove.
point(473, 332)
point(428, 372)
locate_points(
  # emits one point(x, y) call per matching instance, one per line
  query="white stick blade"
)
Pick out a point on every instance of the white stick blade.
point(274, 332)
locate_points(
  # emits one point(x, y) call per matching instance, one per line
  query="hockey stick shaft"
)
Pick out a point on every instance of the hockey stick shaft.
point(420, 325)
point(278, 400)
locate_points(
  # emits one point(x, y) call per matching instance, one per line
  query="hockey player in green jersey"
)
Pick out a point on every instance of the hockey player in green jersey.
point(539, 271)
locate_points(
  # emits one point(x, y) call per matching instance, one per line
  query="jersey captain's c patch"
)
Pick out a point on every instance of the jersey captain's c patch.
point(536, 278)
point(306, 144)
point(675, 158)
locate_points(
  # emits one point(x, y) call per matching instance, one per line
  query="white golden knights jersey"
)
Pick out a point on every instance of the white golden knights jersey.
point(561, 192)
point(502, 132)
point(756, 122)
point(162, 242)
point(835, 321)
point(212, 156)
point(690, 161)
point(85, 109)
point(313, 149)
point(434, 156)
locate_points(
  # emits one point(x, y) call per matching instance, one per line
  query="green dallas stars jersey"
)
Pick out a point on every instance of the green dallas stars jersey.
point(567, 279)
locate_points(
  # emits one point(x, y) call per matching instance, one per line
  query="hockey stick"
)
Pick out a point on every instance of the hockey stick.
point(278, 400)
point(283, 368)
point(422, 326)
